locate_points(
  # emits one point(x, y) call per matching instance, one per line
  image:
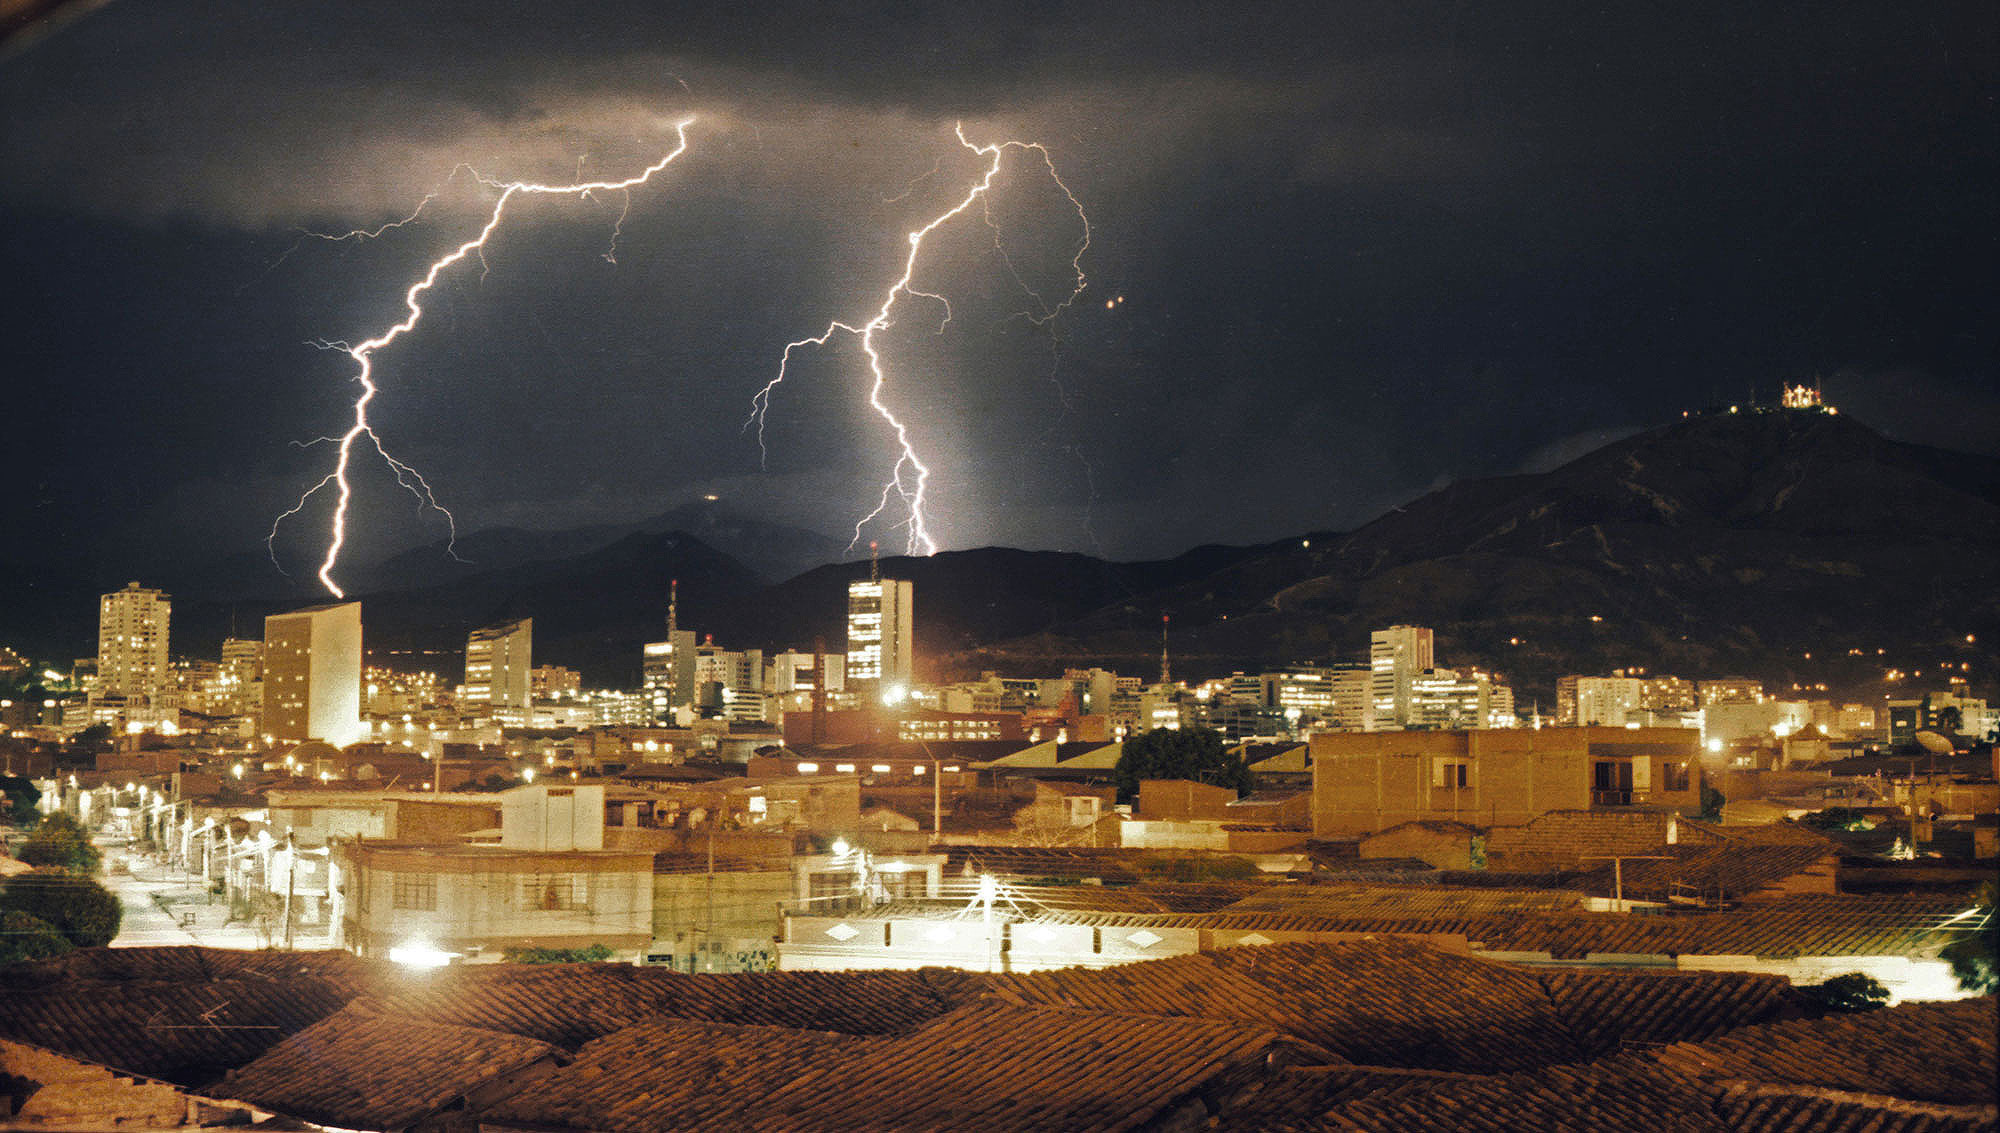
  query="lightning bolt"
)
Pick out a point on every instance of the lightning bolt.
point(364, 352)
point(909, 475)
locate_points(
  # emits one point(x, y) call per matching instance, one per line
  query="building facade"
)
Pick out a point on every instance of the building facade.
point(498, 665)
point(1395, 657)
point(133, 681)
point(881, 634)
point(312, 674)
point(1363, 784)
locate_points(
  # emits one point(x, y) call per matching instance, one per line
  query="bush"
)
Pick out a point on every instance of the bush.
point(24, 937)
point(86, 913)
point(1196, 868)
point(1975, 955)
point(61, 843)
point(1711, 804)
point(1847, 995)
point(596, 953)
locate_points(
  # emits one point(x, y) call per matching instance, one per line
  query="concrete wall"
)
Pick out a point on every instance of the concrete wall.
point(1171, 800)
point(542, 817)
point(723, 922)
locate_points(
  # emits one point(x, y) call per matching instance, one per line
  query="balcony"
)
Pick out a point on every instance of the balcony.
point(1616, 797)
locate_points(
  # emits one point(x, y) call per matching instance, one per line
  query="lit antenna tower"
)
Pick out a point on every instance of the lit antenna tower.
point(1166, 674)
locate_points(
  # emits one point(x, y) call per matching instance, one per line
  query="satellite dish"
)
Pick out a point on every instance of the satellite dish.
point(1935, 744)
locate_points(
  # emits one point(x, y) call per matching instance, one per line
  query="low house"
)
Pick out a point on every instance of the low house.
point(1365, 782)
point(545, 882)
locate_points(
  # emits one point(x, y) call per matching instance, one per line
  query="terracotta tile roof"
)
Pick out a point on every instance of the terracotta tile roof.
point(989, 1067)
point(1567, 837)
point(1610, 1096)
point(1934, 1052)
point(1393, 1003)
point(1361, 899)
point(1694, 832)
point(1605, 1011)
point(1813, 925)
point(1731, 870)
point(1113, 865)
point(1298, 1098)
point(358, 1068)
point(189, 964)
point(570, 1004)
point(1754, 1107)
point(1194, 986)
point(187, 1032)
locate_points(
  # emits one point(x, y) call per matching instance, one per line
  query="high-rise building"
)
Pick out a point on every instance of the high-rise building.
point(668, 674)
point(1352, 689)
point(793, 671)
point(1610, 701)
point(1395, 657)
point(547, 682)
point(497, 664)
point(1446, 699)
point(881, 634)
point(1732, 690)
point(312, 674)
point(731, 683)
point(242, 675)
point(132, 652)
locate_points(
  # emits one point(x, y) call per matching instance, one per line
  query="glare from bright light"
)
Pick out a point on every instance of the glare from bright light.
point(420, 954)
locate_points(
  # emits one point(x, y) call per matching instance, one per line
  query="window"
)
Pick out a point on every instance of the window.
point(414, 891)
point(551, 892)
point(1451, 774)
point(1673, 777)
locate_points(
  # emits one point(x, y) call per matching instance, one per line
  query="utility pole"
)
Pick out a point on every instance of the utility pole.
point(708, 937)
point(989, 888)
point(1618, 873)
point(291, 881)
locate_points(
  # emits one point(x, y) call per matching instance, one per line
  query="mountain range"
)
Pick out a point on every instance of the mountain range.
point(1721, 544)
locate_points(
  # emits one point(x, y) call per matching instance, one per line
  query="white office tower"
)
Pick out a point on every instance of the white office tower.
point(881, 635)
point(312, 674)
point(132, 676)
point(667, 675)
point(497, 665)
point(1395, 658)
point(1610, 701)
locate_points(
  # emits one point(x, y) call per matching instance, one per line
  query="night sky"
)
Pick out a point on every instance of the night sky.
point(1363, 250)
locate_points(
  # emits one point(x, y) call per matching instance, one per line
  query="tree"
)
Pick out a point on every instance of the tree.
point(1168, 753)
point(86, 913)
point(60, 841)
point(24, 937)
point(1975, 956)
point(87, 745)
point(19, 799)
point(1847, 994)
point(1711, 803)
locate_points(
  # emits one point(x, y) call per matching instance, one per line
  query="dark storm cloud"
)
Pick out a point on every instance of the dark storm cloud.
point(1363, 246)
